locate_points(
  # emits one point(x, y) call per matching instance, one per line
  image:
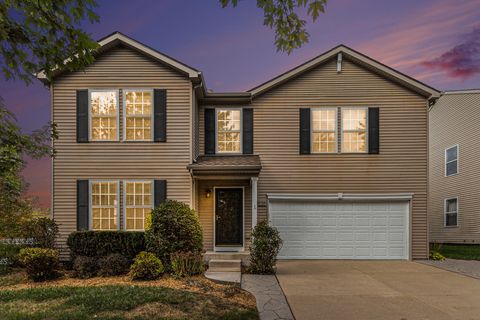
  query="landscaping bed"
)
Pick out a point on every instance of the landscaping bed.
point(460, 252)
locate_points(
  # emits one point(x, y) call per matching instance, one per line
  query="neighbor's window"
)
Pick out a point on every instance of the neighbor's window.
point(324, 125)
point(104, 199)
point(138, 115)
point(104, 115)
point(229, 130)
point(138, 204)
point(354, 129)
point(451, 212)
point(451, 161)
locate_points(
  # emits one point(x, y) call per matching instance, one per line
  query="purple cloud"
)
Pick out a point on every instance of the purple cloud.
point(462, 61)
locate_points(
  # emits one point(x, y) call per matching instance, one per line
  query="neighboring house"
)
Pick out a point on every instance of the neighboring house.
point(333, 152)
point(454, 168)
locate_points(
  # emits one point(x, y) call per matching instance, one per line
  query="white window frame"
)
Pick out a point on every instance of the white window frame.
point(124, 110)
point(341, 130)
point(124, 213)
point(241, 130)
point(90, 197)
point(312, 132)
point(90, 128)
point(445, 212)
point(456, 159)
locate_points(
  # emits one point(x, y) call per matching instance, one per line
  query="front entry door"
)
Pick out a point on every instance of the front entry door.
point(229, 217)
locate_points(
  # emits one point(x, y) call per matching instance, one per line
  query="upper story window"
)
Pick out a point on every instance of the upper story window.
point(229, 130)
point(104, 200)
point(138, 204)
point(451, 161)
point(324, 130)
point(138, 115)
point(103, 115)
point(354, 129)
point(451, 212)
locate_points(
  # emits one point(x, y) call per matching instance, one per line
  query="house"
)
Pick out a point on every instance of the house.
point(333, 152)
point(454, 168)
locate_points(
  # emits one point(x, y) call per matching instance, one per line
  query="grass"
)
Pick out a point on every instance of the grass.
point(461, 252)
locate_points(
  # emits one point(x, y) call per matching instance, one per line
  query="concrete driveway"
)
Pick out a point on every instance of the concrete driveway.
point(370, 290)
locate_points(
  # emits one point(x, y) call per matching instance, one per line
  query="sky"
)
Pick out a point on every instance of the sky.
point(434, 41)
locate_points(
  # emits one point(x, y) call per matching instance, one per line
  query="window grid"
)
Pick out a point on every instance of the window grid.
point(451, 161)
point(354, 130)
point(138, 115)
point(138, 204)
point(104, 115)
point(104, 199)
point(324, 130)
point(451, 212)
point(229, 130)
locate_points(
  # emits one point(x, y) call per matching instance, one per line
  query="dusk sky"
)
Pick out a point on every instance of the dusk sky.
point(434, 41)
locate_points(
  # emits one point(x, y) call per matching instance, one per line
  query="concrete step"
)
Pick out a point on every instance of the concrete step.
point(224, 265)
point(235, 277)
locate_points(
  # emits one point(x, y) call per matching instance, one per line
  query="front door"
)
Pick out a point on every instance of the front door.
point(229, 217)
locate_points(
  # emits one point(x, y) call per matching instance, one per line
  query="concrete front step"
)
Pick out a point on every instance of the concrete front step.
point(224, 265)
point(215, 255)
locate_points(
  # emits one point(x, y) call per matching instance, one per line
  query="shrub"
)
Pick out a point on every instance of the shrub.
point(42, 231)
point(186, 263)
point(8, 256)
point(146, 267)
point(174, 228)
point(85, 267)
point(434, 255)
point(104, 243)
point(41, 263)
point(113, 265)
point(264, 249)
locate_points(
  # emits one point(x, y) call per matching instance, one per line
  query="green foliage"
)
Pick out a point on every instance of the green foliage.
point(146, 267)
point(174, 228)
point(43, 231)
point(41, 264)
point(113, 265)
point(264, 249)
point(46, 34)
point(104, 243)
point(8, 256)
point(85, 267)
point(185, 264)
point(460, 251)
point(434, 255)
point(282, 16)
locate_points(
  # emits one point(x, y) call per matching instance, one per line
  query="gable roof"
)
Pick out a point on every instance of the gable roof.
point(356, 57)
point(117, 38)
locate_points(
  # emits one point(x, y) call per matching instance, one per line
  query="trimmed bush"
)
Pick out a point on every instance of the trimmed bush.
point(113, 265)
point(104, 243)
point(42, 231)
point(41, 263)
point(146, 267)
point(174, 228)
point(186, 264)
point(264, 249)
point(85, 267)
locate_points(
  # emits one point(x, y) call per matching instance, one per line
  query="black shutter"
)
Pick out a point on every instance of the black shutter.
point(305, 131)
point(209, 131)
point(160, 192)
point(82, 204)
point(373, 131)
point(247, 128)
point(82, 115)
point(160, 115)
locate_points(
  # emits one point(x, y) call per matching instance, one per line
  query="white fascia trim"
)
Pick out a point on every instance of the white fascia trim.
point(462, 91)
point(341, 196)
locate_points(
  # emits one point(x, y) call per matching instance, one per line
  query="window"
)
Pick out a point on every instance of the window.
point(104, 199)
point(324, 127)
point(138, 204)
point(354, 130)
point(229, 130)
point(138, 115)
point(451, 212)
point(451, 161)
point(103, 115)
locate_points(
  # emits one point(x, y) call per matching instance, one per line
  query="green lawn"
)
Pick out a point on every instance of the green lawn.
point(463, 252)
point(118, 302)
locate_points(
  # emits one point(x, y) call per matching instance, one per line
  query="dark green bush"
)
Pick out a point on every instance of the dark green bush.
point(174, 228)
point(85, 267)
point(104, 243)
point(114, 264)
point(41, 263)
point(146, 267)
point(264, 249)
point(185, 264)
point(8, 256)
point(42, 231)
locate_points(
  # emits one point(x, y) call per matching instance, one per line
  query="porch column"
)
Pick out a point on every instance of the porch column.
point(254, 181)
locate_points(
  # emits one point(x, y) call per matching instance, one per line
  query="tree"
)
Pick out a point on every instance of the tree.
point(282, 16)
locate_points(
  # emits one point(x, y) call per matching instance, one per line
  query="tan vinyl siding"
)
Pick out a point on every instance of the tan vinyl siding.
point(116, 69)
point(401, 166)
point(455, 119)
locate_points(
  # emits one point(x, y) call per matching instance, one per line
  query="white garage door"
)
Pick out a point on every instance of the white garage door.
point(319, 229)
